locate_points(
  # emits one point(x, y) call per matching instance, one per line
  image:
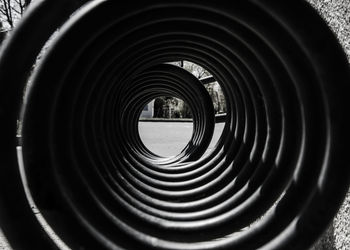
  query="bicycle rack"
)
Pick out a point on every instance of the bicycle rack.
point(276, 177)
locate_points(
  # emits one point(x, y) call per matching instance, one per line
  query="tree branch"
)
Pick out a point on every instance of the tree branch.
point(12, 10)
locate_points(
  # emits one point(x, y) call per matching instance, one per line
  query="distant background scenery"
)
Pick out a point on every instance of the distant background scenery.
point(171, 107)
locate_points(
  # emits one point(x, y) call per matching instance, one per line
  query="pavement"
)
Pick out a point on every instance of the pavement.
point(169, 138)
point(3, 242)
point(337, 15)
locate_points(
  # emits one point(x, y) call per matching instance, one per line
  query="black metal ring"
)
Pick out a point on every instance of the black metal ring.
point(275, 178)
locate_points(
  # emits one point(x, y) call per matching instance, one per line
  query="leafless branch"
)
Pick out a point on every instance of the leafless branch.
point(12, 10)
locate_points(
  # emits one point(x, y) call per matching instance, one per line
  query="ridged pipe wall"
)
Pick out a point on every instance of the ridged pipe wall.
point(275, 178)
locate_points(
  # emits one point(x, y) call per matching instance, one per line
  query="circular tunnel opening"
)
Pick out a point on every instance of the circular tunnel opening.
point(166, 126)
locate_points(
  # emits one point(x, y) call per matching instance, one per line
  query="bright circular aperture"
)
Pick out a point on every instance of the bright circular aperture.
point(165, 136)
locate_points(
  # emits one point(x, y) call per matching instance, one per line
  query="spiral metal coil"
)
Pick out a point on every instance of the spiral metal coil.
point(276, 176)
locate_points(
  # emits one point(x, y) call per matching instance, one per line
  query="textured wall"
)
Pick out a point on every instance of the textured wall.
point(337, 15)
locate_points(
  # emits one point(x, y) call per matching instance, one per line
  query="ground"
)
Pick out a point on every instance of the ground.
point(169, 138)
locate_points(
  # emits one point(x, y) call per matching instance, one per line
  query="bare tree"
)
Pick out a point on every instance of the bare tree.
point(11, 11)
point(195, 69)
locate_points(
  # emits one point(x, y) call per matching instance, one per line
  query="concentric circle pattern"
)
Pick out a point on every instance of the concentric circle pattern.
point(276, 176)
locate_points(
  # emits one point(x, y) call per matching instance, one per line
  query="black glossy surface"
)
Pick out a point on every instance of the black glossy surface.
point(283, 147)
